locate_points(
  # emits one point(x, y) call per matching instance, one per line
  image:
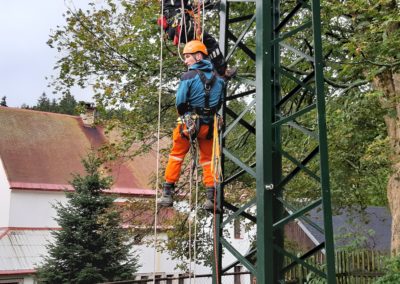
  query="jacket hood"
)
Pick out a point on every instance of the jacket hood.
point(203, 65)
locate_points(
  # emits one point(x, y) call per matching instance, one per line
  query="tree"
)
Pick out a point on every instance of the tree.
point(43, 103)
point(67, 105)
point(358, 148)
point(92, 246)
point(118, 51)
point(3, 101)
point(363, 38)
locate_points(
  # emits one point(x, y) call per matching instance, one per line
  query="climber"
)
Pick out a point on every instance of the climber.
point(198, 98)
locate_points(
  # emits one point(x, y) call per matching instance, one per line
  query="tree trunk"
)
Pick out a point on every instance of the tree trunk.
point(389, 83)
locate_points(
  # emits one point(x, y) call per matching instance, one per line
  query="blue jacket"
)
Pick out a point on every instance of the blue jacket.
point(191, 88)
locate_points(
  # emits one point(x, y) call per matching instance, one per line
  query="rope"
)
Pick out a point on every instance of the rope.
point(195, 217)
point(193, 171)
point(202, 27)
point(158, 146)
point(183, 20)
point(190, 219)
point(197, 26)
point(216, 169)
point(198, 20)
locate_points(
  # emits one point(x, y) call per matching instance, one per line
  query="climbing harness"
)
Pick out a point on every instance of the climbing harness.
point(191, 121)
point(207, 111)
point(189, 126)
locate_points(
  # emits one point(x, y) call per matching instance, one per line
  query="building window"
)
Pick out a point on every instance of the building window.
point(237, 229)
point(236, 279)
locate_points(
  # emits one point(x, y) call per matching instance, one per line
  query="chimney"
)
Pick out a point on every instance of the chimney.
point(89, 115)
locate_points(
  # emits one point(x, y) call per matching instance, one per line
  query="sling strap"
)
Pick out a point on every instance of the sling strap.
point(208, 83)
point(207, 111)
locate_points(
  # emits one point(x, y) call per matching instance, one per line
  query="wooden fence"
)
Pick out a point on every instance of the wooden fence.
point(358, 267)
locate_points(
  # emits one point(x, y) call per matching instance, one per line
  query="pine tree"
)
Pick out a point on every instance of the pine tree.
point(3, 101)
point(92, 246)
point(43, 103)
point(68, 105)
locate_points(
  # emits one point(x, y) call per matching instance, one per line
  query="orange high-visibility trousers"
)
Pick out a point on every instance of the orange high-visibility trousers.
point(180, 146)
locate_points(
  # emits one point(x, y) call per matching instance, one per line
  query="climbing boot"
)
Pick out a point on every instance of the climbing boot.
point(166, 198)
point(209, 203)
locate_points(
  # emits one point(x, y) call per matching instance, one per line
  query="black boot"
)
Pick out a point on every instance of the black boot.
point(209, 204)
point(166, 198)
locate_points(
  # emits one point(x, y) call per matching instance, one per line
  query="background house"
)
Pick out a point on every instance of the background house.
point(369, 228)
point(38, 153)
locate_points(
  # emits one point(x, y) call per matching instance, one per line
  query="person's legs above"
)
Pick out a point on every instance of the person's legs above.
point(217, 58)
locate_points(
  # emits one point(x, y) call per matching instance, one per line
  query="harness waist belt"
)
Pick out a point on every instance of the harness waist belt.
point(203, 111)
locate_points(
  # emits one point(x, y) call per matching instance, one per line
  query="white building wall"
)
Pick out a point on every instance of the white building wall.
point(5, 194)
point(163, 263)
point(29, 280)
point(33, 209)
point(242, 245)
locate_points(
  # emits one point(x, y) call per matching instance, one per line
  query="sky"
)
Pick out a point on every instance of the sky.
point(25, 58)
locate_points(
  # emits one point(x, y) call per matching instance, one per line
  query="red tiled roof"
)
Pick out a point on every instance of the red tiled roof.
point(41, 150)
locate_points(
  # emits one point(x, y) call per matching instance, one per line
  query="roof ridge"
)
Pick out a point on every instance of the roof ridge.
point(37, 111)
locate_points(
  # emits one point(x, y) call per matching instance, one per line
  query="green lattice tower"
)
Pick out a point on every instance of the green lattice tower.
point(278, 49)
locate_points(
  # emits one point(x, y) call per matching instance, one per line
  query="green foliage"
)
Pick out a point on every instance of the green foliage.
point(362, 37)
point(359, 150)
point(92, 246)
point(43, 104)
point(116, 48)
point(3, 101)
point(66, 105)
point(392, 272)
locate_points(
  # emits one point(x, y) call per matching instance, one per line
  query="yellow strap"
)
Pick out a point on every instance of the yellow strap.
point(216, 168)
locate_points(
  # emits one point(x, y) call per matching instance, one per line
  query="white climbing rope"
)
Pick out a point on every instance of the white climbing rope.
point(193, 217)
point(158, 144)
point(182, 26)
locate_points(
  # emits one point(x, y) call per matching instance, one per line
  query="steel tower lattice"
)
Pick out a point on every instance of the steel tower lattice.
point(278, 48)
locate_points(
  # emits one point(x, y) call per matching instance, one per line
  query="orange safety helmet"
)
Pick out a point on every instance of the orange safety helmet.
point(195, 46)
